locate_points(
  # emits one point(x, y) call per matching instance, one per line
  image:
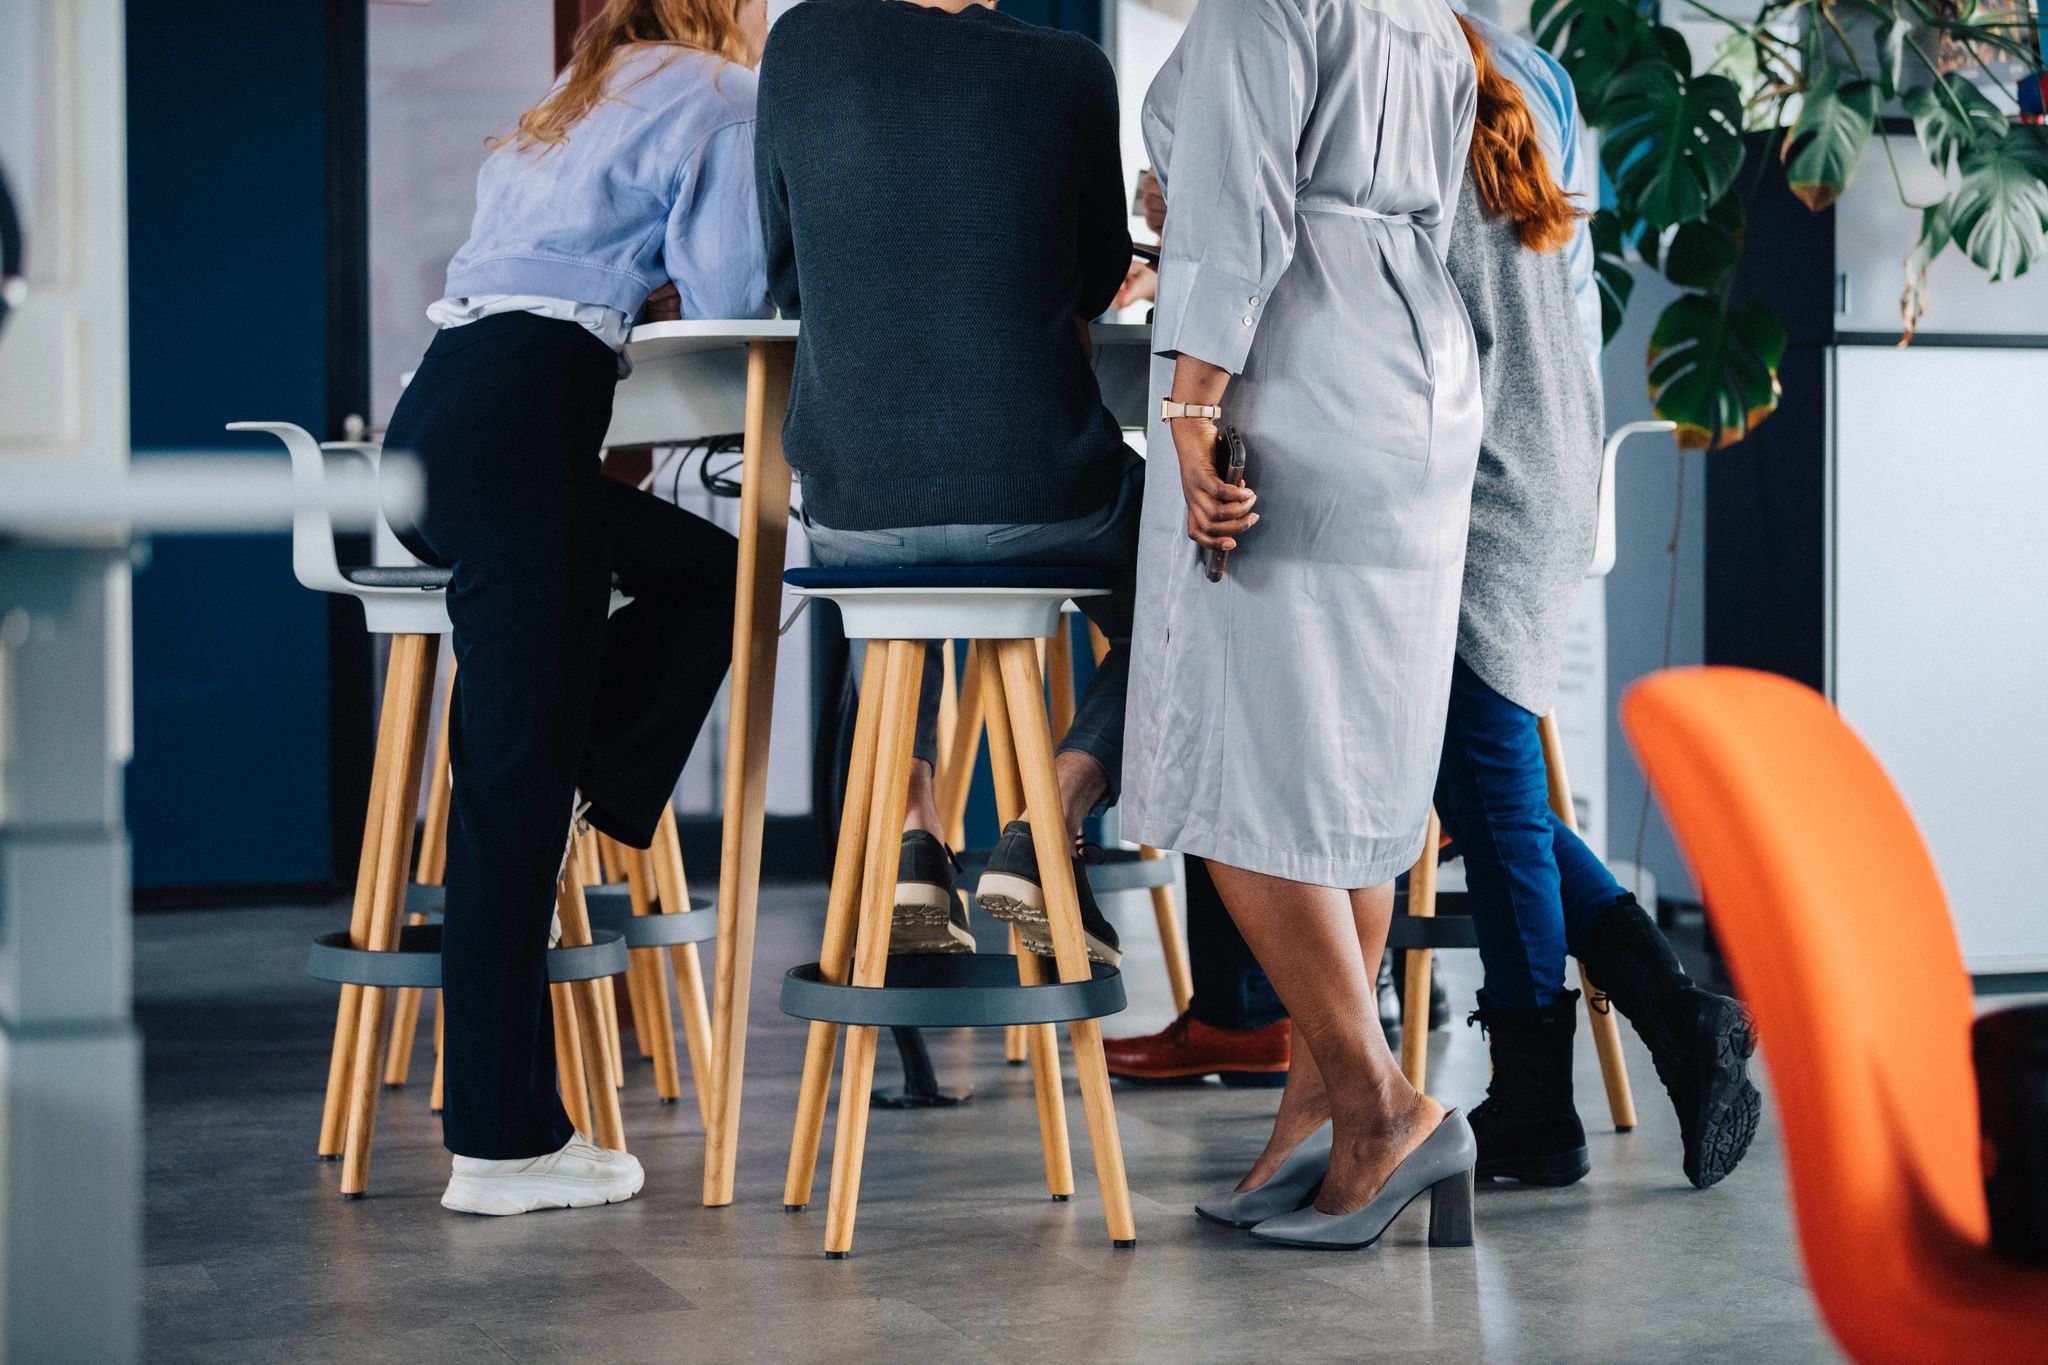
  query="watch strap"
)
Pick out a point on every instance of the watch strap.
point(1168, 410)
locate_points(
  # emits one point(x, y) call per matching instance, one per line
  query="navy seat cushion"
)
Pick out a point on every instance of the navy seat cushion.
point(950, 576)
point(408, 576)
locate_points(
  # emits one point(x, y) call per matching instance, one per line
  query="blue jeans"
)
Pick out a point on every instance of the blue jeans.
point(1529, 880)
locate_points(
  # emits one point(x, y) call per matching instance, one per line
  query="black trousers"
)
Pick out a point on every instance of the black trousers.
point(507, 416)
point(1231, 989)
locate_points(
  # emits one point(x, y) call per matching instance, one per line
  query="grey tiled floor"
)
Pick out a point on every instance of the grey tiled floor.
point(252, 1256)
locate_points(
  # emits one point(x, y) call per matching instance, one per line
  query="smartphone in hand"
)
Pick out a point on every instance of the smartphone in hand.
point(1230, 460)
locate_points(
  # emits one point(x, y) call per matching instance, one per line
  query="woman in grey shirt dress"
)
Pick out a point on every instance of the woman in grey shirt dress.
point(1285, 723)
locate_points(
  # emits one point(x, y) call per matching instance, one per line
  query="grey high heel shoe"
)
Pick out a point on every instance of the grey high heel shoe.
point(1442, 1165)
point(1293, 1185)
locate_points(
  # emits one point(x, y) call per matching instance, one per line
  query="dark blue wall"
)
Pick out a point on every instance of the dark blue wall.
point(229, 282)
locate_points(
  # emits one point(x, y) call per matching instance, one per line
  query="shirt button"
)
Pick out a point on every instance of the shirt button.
point(1254, 300)
point(1246, 321)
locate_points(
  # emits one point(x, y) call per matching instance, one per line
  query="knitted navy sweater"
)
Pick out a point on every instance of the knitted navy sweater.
point(941, 197)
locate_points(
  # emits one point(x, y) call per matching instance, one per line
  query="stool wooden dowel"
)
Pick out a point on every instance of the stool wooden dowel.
point(431, 870)
point(1035, 1043)
point(588, 1010)
point(871, 943)
point(569, 1078)
point(1621, 1103)
point(956, 777)
point(1059, 672)
point(334, 1111)
point(1031, 733)
point(1415, 982)
point(763, 537)
point(672, 894)
point(656, 1025)
point(434, 1103)
point(842, 906)
point(1179, 977)
point(413, 658)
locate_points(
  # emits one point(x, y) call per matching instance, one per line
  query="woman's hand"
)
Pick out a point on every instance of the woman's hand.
point(1218, 512)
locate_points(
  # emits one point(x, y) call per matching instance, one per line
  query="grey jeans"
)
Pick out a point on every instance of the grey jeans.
point(1106, 540)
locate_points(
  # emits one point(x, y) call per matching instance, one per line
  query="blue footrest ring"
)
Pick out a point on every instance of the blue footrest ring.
point(417, 963)
point(615, 912)
point(951, 990)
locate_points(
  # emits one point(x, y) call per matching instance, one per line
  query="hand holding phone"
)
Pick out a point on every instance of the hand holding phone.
point(1230, 459)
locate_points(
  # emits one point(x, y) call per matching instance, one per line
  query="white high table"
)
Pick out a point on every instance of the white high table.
point(706, 378)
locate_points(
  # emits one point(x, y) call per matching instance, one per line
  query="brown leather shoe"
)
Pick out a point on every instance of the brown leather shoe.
point(1188, 1050)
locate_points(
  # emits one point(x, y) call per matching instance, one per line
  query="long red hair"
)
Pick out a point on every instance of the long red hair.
point(1508, 166)
point(711, 26)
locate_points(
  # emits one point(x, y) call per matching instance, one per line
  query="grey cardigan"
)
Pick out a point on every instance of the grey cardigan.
point(1534, 499)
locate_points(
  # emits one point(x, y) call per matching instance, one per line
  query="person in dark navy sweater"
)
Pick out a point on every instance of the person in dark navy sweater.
point(943, 205)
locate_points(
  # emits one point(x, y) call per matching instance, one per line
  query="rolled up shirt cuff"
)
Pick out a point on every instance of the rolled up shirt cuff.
point(1207, 313)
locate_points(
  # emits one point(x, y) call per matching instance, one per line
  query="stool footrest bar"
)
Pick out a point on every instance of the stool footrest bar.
point(940, 990)
point(417, 962)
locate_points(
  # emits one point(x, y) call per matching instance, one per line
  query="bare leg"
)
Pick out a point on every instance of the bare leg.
point(921, 811)
point(1082, 784)
point(1320, 945)
point(1304, 1104)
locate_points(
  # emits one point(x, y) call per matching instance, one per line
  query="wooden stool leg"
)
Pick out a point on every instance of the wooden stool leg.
point(588, 1004)
point(432, 866)
point(569, 1077)
point(655, 1022)
point(440, 1016)
point(1415, 981)
point(904, 660)
point(842, 906)
point(956, 773)
point(1036, 1043)
point(1032, 735)
point(1621, 1102)
point(413, 658)
point(1059, 674)
point(1167, 916)
point(672, 894)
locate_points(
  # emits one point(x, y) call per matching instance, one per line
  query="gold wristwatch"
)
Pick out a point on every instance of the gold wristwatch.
point(1168, 410)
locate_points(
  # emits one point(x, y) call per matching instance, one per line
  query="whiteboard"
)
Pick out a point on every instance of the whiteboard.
point(1941, 618)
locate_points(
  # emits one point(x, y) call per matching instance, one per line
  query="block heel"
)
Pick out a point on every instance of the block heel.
point(1253, 1080)
point(1450, 1210)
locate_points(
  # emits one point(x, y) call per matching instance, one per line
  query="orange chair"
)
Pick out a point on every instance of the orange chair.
point(1827, 904)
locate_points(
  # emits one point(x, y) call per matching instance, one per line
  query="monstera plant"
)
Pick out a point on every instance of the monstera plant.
point(1811, 79)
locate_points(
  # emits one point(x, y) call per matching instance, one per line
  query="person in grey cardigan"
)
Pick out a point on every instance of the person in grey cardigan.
point(1536, 892)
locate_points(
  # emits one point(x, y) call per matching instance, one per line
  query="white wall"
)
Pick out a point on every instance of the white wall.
point(443, 77)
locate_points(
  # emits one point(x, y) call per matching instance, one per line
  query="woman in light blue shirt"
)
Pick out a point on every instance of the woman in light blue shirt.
point(635, 171)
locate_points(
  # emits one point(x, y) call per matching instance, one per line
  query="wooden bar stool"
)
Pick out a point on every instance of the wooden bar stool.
point(406, 601)
point(1420, 932)
point(961, 723)
point(1002, 610)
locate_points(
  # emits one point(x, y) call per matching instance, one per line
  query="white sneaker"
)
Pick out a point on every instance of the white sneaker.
point(580, 1176)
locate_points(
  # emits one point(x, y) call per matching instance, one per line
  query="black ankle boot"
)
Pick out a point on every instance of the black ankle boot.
point(1393, 969)
point(1526, 1125)
point(1700, 1041)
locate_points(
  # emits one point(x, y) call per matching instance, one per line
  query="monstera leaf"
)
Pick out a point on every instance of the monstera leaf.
point(1714, 369)
point(1835, 122)
point(2000, 209)
point(1610, 272)
point(1952, 117)
point(1701, 255)
point(1674, 142)
point(1595, 40)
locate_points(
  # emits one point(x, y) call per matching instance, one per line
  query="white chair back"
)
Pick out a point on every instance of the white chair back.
point(1604, 542)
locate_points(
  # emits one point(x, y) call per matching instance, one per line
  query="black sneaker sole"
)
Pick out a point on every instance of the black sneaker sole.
point(1729, 1105)
point(922, 921)
point(1021, 902)
point(1552, 1169)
